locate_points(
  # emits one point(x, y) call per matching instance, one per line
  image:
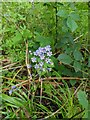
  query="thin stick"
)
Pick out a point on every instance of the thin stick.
point(77, 89)
point(64, 78)
point(41, 92)
point(27, 61)
point(11, 68)
point(77, 38)
point(18, 72)
point(28, 69)
point(50, 78)
point(10, 65)
point(12, 78)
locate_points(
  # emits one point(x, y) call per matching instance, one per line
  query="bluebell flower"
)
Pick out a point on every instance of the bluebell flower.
point(47, 60)
point(13, 87)
point(42, 56)
point(43, 50)
point(41, 64)
point(49, 54)
point(33, 59)
point(36, 66)
point(48, 48)
point(36, 53)
point(49, 69)
point(10, 92)
point(30, 52)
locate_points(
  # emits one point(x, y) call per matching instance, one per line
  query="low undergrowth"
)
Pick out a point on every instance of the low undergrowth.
point(45, 60)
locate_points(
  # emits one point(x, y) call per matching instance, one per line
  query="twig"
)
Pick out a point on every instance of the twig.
point(64, 78)
point(40, 90)
point(11, 68)
point(27, 61)
point(18, 72)
point(28, 69)
point(12, 78)
point(49, 78)
point(78, 89)
point(77, 38)
point(10, 65)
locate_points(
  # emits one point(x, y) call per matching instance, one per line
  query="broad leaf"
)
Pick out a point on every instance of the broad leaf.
point(74, 16)
point(77, 66)
point(77, 55)
point(72, 24)
point(89, 61)
point(64, 58)
point(62, 13)
point(17, 38)
point(43, 40)
point(82, 97)
point(72, 82)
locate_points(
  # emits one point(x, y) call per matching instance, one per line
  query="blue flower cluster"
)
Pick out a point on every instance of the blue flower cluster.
point(12, 89)
point(41, 59)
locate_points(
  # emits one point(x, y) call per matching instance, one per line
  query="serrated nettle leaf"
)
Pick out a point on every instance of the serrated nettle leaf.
point(64, 58)
point(71, 24)
point(77, 66)
point(82, 98)
point(78, 55)
point(62, 13)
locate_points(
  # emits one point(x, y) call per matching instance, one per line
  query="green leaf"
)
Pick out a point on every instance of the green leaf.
point(82, 98)
point(27, 34)
point(72, 24)
point(43, 40)
point(64, 58)
point(74, 16)
point(12, 100)
point(62, 13)
point(72, 82)
point(77, 66)
point(77, 55)
point(89, 61)
point(17, 38)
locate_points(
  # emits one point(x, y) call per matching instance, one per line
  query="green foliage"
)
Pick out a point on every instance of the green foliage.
point(82, 98)
point(89, 61)
point(63, 26)
point(72, 24)
point(65, 58)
